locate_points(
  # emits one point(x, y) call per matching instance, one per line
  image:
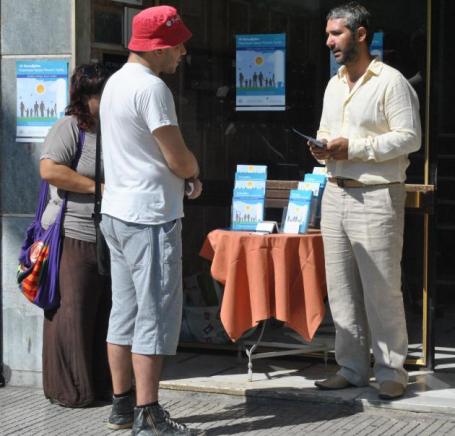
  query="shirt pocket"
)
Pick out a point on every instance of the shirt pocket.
point(171, 255)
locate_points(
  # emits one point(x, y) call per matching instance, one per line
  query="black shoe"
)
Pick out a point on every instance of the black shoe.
point(122, 413)
point(155, 421)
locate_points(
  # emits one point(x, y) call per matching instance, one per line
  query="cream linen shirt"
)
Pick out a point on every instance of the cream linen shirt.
point(380, 118)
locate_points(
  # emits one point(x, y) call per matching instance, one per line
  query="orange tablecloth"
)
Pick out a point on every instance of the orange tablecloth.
point(265, 276)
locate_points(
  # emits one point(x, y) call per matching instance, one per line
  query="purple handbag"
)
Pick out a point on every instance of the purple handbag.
point(39, 258)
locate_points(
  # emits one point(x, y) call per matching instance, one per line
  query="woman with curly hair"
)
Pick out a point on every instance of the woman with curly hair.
point(75, 367)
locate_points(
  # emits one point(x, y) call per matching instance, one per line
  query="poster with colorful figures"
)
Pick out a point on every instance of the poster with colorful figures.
point(42, 95)
point(260, 72)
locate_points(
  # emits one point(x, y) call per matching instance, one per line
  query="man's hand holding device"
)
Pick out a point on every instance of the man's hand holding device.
point(336, 149)
point(311, 141)
point(193, 188)
point(318, 148)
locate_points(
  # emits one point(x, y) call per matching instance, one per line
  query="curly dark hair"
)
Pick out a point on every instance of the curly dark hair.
point(87, 81)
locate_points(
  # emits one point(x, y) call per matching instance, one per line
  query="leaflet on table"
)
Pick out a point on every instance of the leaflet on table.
point(247, 213)
point(322, 180)
point(298, 212)
point(253, 169)
point(312, 177)
point(320, 170)
point(249, 188)
point(315, 188)
point(250, 176)
point(252, 183)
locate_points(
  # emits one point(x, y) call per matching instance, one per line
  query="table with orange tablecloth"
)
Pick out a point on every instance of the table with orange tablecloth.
point(264, 276)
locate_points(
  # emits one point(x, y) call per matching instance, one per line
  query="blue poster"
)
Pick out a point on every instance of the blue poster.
point(376, 50)
point(377, 45)
point(260, 72)
point(42, 96)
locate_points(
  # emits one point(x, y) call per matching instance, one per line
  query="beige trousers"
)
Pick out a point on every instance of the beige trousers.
point(362, 229)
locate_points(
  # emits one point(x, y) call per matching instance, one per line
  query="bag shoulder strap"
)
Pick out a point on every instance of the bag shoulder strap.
point(77, 156)
point(97, 208)
point(44, 187)
point(79, 146)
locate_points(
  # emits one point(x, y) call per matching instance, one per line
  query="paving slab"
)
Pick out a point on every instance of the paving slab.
point(25, 411)
point(294, 379)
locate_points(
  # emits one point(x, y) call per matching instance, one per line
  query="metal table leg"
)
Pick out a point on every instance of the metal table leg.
point(287, 349)
point(249, 352)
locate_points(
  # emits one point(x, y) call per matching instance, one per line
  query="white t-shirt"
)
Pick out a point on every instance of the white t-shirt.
point(139, 186)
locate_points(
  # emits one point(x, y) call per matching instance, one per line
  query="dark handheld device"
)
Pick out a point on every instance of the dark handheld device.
point(311, 140)
point(189, 187)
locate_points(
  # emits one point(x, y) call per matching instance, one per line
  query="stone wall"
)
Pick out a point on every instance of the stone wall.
point(30, 29)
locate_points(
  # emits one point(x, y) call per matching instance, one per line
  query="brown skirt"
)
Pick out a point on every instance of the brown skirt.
point(75, 366)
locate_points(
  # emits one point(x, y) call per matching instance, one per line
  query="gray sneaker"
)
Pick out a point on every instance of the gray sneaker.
point(155, 421)
point(122, 413)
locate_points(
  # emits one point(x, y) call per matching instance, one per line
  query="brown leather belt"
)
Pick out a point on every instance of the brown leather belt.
point(350, 183)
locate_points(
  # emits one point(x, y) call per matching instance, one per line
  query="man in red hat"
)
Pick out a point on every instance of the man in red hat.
point(146, 164)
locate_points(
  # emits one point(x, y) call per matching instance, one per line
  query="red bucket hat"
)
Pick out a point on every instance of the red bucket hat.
point(157, 27)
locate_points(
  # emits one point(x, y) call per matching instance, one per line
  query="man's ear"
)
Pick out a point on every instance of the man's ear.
point(361, 34)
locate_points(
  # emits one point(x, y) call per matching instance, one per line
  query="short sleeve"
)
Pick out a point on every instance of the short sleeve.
point(60, 144)
point(156, 104)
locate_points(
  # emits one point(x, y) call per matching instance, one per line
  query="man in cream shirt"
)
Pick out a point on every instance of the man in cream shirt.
point(370, 123)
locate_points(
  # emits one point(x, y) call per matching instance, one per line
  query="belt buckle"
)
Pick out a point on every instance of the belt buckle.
point(340, 182)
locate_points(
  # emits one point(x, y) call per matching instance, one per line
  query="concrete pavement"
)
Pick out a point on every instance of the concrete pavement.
point(293, 378)
point(24, 412)
point(211, 394)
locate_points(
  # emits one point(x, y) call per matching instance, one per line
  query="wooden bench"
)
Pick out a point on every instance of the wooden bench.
point(419, 197)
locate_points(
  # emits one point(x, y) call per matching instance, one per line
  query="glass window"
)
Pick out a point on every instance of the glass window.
point(223, 137)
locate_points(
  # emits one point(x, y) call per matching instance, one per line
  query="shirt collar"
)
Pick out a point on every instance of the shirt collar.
point(374, 67)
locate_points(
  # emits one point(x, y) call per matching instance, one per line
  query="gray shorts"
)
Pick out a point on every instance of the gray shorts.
point(146, 268)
